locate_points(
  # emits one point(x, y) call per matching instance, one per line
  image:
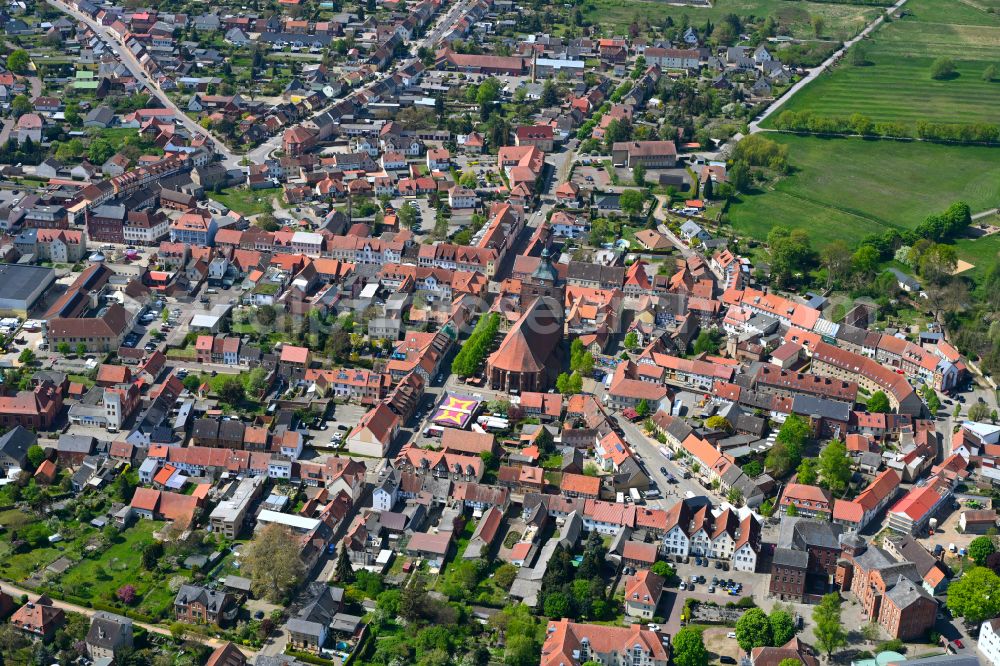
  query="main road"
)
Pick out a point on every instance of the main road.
point(127, 58)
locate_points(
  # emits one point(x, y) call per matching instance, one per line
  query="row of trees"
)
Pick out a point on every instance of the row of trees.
point(475, 349)
point(813, 123)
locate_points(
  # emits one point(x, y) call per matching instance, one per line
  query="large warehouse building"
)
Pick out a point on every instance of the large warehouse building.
point(21, 286)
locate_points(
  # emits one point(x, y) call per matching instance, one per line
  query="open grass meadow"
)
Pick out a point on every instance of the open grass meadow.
point(843, 19)
point(844, 188)
point(897, 86)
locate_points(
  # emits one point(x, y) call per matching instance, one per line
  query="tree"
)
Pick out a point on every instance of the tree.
point(27, 357)
point(790, 661)
point(639, 175)
point(818, 24)
point(521, 651)
point(835, 466)
point(272, 558)
point(753, 629)
point(557, 605)
point(706, 342)
point(786, 453)
point(718, 422)
point(791, 253)
point(661, 568)
point(865, 260)
point(192, 382)
point(63, 348)
point(267, 222)
point(943, 68)
point(829, 632)
point(35, 456)
point(631, 201)
point(18, 61)
point(407, 216)
point(806, 472)
point(782, 626)
point(20, 105)
point(642, 409)
point(631, 340)
point(975, 596)
point(151, 554)
point(878, 403)
point(791, 511)
point(708, 190)
point(126, 594)
point(81, 349)
point(979, 411)
point(344, 572)
point(689, 648)
point(739, 177)
point(231, 391)
point(981, 548)
point(550, 94)
point(835, 258)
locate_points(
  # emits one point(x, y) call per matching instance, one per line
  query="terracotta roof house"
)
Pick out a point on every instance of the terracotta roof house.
point(374, 433)
point(227, 655)
point(38, 618)
point(569, 642)
point(642, 594)
point(578, 485)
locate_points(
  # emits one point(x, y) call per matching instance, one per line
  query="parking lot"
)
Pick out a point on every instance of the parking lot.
point(338, 424)
point(590, 177)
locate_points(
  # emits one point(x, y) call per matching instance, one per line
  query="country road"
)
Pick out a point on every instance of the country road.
point(825, 65)
point(16, 593)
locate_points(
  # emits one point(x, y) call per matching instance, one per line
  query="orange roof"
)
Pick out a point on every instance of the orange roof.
point(164, 474)
point(848, 511)
point(580, 484)
point(292, 354)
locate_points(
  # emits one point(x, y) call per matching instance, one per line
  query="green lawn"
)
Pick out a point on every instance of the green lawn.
point(98, 579)
point(843, 20)
point(247, 202)
point(19, 566)
point(846, 188)
point(897, 86)
point(981, 253)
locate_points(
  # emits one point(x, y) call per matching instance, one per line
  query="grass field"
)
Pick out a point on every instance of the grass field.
point(846, 188)
point(981, 253)
point(247, 202)
point(842, 20)
point(897, 85)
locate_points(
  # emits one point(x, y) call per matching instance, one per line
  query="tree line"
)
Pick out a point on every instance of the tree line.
point(813, 123)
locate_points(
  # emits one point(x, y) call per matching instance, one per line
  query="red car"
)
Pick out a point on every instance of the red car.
point(958, 643)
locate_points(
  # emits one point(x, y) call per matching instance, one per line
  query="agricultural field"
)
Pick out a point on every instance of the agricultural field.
point(896, 84)
point(845, 188)
point(843, 20)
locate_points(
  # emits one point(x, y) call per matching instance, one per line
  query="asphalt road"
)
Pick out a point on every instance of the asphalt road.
point(129, 60)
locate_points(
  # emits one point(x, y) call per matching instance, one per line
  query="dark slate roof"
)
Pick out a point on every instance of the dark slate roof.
point(787, 557)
